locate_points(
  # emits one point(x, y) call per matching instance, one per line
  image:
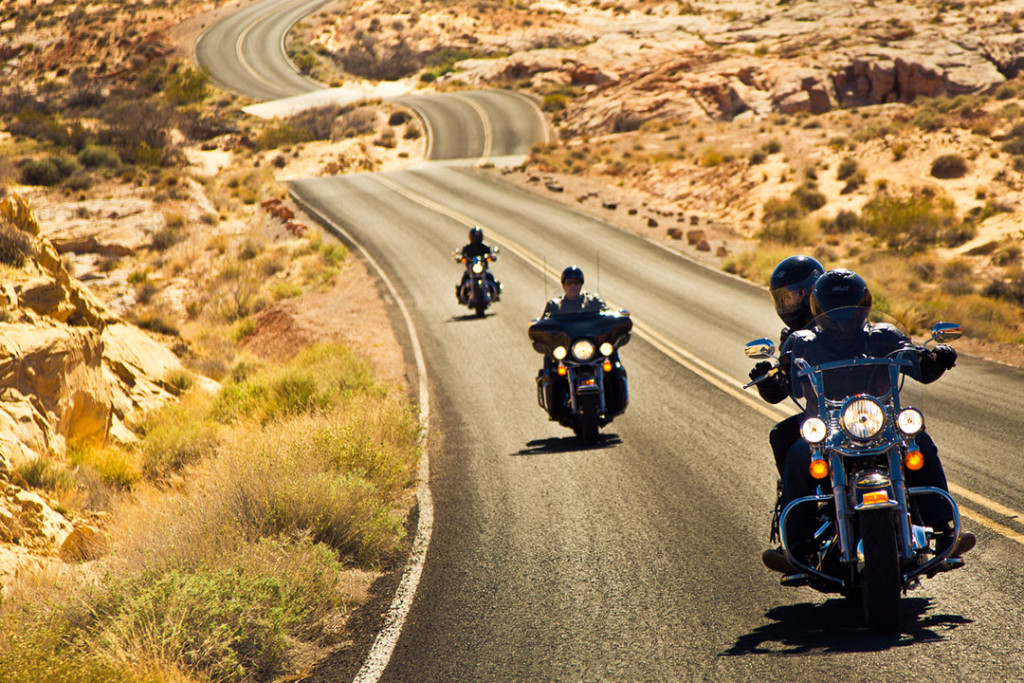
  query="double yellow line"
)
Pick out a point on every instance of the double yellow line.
point(709, 373)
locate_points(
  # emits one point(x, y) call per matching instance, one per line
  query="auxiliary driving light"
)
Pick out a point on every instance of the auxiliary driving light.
point(606, 349)
point(559, 352)
point(813, 430)
point(913, 460)
point(910, 421)
point(818, 467)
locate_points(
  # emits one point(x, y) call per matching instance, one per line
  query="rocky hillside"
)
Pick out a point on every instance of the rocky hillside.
point(70, 370)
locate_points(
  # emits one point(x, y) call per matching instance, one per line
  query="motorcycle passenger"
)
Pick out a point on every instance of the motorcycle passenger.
point(476, 247)
point(841, 302)
point(790, 286)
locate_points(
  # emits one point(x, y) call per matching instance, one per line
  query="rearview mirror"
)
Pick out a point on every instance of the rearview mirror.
point(946, 332)
point(760, 348)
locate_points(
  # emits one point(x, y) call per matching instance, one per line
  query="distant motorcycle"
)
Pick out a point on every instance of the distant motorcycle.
point(869, 544)
point(583, 385)
point(478, 287)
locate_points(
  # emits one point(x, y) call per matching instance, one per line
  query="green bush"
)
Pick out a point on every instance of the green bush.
point(847, 167)
point(908, 224)
point(93, 157)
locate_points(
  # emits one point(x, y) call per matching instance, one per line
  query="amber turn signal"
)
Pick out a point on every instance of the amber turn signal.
point(876, 498)
point(562, 371)
point(818, 468)
point(914, 460)
point(607, 367)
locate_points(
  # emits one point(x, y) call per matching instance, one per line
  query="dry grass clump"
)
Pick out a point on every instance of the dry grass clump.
point(302, 486)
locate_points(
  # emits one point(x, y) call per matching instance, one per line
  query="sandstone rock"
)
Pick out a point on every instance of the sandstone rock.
point(84, 543)
point(695, 236)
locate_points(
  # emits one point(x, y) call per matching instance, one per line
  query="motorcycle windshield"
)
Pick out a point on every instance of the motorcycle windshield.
point(849, 352)
point(561, 330)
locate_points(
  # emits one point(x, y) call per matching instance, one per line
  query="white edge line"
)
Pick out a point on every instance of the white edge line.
point(380, 652)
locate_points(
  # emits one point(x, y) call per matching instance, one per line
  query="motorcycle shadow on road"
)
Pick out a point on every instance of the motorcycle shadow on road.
point(837, 625)
point(567, 444)
point(471, 316)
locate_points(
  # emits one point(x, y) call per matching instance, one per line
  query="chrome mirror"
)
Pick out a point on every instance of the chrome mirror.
point(760, 348)
point(945, 332)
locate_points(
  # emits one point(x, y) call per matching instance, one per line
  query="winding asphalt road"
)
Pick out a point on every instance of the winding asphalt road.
point(638, 559)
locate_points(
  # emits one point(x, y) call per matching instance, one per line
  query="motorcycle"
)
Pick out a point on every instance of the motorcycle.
point(583, 385)
point(870, 543)
point(479, 288)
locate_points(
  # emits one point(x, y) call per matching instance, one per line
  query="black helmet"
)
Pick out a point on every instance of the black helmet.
point(841, 301)
point(572, 273)
point(790, 284)
point(476, 235)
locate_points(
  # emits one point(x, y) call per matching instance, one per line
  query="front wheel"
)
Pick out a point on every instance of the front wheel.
point(588, 419)
point(880, 578)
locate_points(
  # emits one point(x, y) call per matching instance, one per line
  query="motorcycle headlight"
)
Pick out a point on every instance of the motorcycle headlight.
point(606, 349)
point(478, 268)
point(813, 430)
point(583, 350)
point(910, 421)
point(862, 418)
point(559, 352)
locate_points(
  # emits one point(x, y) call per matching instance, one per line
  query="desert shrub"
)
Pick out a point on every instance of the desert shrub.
point(317, 379)
point(949, 166)
point(773, 146)
point(1009, 289)
point(16, 246)
point(141, 132)
point(186, 86)
point(899, 150)
point(175, 436)
point(318, 121)
point(47, 172)
point(908, 224)
point(808, 196)
point(756, 157)
point(791, 231)
point(776, 209)
point(845, 221)
point(113, 465)
point(281, 134)
point(929, 120)
point(846, 168)
point(44, 473)
point(711, 157)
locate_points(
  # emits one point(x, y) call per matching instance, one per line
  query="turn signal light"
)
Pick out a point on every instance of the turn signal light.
point(607, 366)
point(914, 460)
point(562, 371)
point(818, 468)
point(876, 498)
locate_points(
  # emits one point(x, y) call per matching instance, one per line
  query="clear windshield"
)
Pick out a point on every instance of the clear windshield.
point(850, 352)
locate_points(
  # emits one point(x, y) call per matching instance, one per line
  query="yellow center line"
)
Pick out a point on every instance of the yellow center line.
point(709, 373)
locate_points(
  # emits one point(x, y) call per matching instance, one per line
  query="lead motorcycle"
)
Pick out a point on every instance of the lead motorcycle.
point(583, 385)
point(478, 288)
point(870, 543)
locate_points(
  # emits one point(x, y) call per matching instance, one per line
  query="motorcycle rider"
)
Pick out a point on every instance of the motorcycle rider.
point(574, 299)
point(841, 302)
point(476, 247)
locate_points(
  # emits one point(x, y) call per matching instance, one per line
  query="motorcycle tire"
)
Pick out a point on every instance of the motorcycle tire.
point(480, 306)
point(880, 579)
point(588, 419)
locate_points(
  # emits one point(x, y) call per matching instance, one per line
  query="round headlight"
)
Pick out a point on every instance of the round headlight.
point(813, 430)
point(910, 421)
point(606, 349)
point(583, 350)
point(862, 418)
point(478, 268)
point(559, 352)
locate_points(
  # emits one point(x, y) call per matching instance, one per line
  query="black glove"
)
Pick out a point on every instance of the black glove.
point(760, 369)
point(945, 356)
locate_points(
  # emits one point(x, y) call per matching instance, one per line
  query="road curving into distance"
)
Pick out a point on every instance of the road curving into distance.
point(637, 559)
